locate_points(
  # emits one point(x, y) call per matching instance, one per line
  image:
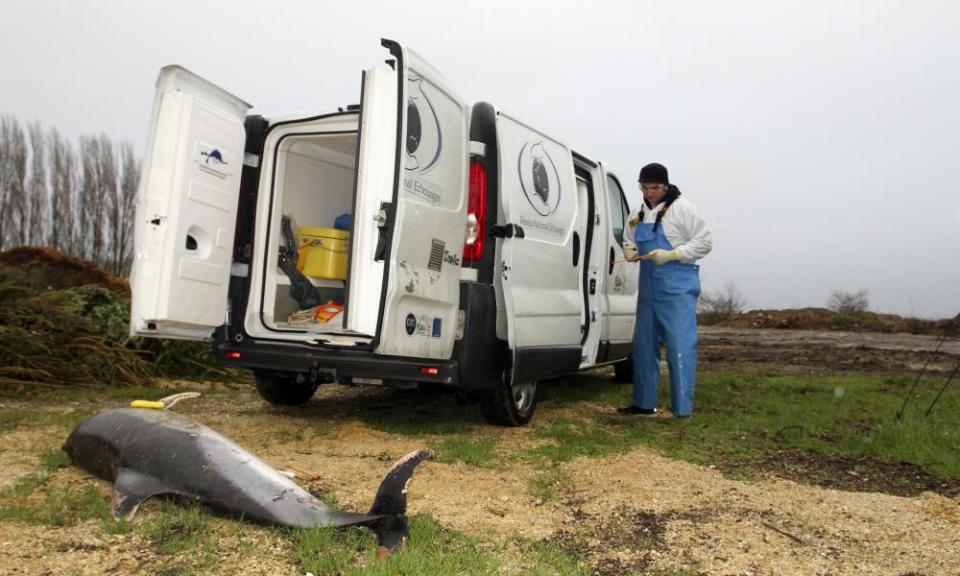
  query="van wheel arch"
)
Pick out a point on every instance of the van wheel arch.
point(508, 403)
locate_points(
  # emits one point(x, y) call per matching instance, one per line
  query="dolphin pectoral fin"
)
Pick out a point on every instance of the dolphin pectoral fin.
point(130, 490)
point(394, 529)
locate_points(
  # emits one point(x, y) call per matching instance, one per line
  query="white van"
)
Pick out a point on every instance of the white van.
point(483, 254)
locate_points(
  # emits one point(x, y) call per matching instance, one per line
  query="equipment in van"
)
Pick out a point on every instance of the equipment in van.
point(323, 253)
point(300, 287)
point(318, 314)
point(344, 222)
point(147, 453)
point(484, 255)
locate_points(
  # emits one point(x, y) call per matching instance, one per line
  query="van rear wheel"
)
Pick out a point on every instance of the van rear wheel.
point(284, 388)
point(510, 404)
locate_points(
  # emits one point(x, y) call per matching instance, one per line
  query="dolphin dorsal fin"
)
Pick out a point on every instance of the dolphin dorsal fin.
point(131, 489)
point(391, 498)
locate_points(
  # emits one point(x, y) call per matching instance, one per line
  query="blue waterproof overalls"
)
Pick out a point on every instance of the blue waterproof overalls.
point(666, 314)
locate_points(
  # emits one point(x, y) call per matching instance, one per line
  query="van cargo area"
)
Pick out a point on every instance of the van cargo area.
point(307, 206)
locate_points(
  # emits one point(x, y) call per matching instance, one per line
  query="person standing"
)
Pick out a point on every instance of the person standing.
point(669, 236)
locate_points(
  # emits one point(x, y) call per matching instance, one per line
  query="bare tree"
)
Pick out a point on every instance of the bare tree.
point(80, 202)
point(4, 179)
point(91, 203)
point(37, 187)
point(112, 219)
point(61, 216)
point(843, 301)
point(126, 198)
point(15, 207)
point(719, 305)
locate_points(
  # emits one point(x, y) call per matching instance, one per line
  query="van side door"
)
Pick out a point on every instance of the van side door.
point(622, 277)
point(540, 304)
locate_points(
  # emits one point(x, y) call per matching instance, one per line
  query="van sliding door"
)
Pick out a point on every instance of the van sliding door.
point(539, 275)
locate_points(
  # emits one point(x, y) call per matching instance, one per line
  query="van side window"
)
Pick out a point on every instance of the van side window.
point(618, 216)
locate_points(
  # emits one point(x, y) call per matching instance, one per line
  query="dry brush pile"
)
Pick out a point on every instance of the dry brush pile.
point(63, 322)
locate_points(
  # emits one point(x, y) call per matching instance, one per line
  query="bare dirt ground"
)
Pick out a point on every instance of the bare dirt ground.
point(828, 350)
point(635, 513)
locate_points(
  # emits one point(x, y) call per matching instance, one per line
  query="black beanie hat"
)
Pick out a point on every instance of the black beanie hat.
point(654, 174)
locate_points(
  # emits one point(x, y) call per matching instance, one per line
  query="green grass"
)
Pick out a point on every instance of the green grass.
point(418, 414)
point(54, 459)
point(743, 417)
point(568, 439)
point(176, 527)
point(548, 559)
point(432, 550)
point(181, 532)
point(60, 508)
point(480, 452)
point(12, 419)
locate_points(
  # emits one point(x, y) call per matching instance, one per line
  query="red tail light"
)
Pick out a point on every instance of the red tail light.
point(476, 213)
point(233, 355)
point(429, 370)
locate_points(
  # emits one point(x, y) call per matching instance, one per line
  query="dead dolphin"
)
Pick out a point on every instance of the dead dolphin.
point(147, 453)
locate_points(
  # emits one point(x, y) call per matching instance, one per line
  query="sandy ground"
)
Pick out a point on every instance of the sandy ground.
point(634, 513)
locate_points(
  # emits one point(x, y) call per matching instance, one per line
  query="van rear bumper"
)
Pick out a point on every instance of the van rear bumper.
point(342, 365)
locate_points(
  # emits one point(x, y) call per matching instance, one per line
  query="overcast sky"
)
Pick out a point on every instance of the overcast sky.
point(821, 139)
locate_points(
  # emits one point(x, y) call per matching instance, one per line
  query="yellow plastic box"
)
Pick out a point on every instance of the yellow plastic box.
point(323, 252)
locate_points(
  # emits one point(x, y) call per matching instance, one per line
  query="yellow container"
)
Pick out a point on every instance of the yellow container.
point(323, 252)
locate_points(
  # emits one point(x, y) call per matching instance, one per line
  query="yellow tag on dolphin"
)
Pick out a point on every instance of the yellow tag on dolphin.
point(151, 404)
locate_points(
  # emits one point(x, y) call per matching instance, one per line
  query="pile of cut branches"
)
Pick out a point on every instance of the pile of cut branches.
point(54, 336)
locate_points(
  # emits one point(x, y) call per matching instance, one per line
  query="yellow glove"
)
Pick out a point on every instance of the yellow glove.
point(661, 257)
point(629, 251)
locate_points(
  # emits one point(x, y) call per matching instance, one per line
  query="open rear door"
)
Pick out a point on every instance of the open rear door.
point(187, 208)
point(410, 216)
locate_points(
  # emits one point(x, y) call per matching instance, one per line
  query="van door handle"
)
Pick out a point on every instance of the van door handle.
point(576, 249)
point(613, 258)
point(507, 231)
point(383, 217)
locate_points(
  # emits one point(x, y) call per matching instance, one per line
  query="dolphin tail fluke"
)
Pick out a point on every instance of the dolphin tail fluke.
point(391, 502)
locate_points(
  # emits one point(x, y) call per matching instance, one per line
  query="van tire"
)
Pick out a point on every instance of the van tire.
point(623, 370)
point(509, 405)
point(284, 388)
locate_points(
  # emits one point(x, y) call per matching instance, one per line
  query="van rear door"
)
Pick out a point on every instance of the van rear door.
point(187, 208)
point(410, 213)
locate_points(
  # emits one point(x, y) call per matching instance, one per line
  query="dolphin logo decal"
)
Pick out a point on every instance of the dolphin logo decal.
point(424, 140)
point(539, 178)
point(146, 453)
point(214, 156)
